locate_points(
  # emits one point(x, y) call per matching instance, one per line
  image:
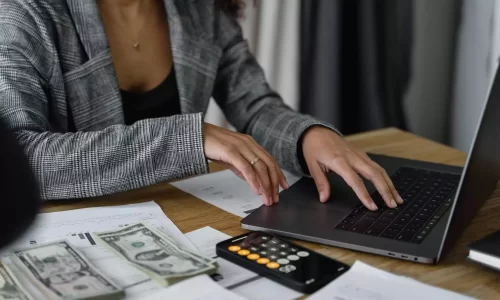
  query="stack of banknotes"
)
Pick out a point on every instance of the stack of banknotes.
point(59, 271)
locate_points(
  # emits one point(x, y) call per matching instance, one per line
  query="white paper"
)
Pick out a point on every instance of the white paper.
point(235, 278)
point(78, 225)
point(197, 288)
point(226, 191)
point(205, 239)
point(364, 282)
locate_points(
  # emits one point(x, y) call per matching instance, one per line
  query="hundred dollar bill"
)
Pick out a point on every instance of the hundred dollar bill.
point(154, 253)
point(10, 288)
point(64, 273)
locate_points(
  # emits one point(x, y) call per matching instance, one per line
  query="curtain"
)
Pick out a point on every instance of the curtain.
point(355, 58)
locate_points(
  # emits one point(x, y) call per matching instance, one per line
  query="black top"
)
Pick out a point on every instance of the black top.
point(162, 101)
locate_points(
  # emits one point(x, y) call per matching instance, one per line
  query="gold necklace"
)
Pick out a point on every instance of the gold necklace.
point(135, 42)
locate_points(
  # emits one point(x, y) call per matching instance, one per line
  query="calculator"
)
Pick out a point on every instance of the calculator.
point(282, 261)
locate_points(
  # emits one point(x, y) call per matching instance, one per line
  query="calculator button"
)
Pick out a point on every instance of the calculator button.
point(273, 265)
point(234, 248)
point(275, 242)
point(262, 261)
point(283, 246)
point(253, 256)
point(243, 252)
point(294, 249)
point(265, 238)
point(283, 261)
point(293, 257)
point(263, 245)
point(274, 249)
point(288, 268)
point(254, 249)
point(273, 257)
point(303, 253)
point(283, 253)
point(244, 245)
point(263, 253)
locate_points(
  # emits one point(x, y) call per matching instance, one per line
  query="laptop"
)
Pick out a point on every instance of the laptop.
point(440, 201)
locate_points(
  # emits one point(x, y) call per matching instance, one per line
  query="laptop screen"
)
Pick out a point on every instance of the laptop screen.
point(482, 169)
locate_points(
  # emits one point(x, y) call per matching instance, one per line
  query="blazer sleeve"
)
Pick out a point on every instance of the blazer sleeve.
point(251, 105)
point(86, 164)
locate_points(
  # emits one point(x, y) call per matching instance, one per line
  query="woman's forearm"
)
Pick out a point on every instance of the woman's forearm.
point(119, 158)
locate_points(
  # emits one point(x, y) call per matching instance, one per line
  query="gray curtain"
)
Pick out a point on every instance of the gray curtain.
point(355, 59)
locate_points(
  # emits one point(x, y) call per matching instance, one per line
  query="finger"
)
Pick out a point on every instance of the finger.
point(263, 175)
point(268, 166)
point(237, 172)
point(321, 181)
point(244, 167)
point(341, 167)
point(374, 174)
point(272, 166)
point(394, 191)
point(388, 180)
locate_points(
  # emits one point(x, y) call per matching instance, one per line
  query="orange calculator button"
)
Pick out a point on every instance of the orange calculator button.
point(262, 260)
point(253, 256)
point(273, 265)
point(234, 248)
point(243, 252)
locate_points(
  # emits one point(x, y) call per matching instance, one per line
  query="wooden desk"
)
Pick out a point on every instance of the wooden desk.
point(453, 273)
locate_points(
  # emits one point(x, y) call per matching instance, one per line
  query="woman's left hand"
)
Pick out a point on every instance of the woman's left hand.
point(324, 151)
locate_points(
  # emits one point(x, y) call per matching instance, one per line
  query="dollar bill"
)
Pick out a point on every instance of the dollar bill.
point(64, 273)
point(155, 254)
point(10, 288)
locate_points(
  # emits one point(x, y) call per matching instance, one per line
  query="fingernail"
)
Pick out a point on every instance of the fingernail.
point(287, 186)
point(400, 200)
point(374, 206)
point(322, 197)
point(393, 203)
point(277, 198)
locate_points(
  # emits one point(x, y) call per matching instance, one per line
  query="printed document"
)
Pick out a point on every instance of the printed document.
point(226, 191)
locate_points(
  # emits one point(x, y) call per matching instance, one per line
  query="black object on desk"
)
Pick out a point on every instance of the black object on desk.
point(282, 261)
point(19, 198)
point(487, 251)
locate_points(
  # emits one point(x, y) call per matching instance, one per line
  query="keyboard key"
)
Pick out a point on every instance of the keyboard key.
point(394, 228)
point(418, 239)
point(345, 225)
point(402, 222)
point(375, 230)
point(361, 226)
point(374, 214)
point(389, 235)
point(406, 235)
point(411, 211)
point(415, 225)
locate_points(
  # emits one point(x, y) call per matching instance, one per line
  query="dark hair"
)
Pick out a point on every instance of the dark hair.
point(233, 8)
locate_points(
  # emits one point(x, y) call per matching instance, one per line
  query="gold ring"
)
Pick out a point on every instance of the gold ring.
point(254, 161)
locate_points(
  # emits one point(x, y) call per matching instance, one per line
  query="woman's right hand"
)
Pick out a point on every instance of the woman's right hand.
point(238, 151)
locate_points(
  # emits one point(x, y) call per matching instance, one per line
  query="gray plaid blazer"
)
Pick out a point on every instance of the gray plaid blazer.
point(55, 62)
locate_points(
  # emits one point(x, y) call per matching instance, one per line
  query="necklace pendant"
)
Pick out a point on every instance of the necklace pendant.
point(136, 46)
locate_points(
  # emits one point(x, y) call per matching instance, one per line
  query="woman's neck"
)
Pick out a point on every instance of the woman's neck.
point(126, 10)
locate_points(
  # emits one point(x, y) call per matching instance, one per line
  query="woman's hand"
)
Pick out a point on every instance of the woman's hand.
point(324, 151)
point(246, 159)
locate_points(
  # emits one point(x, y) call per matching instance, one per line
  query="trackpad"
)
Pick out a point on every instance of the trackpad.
point(301, 202)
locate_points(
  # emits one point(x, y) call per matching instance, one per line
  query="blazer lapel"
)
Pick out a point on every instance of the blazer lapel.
point(92, 88)
point(89, 26)
point(195, 56)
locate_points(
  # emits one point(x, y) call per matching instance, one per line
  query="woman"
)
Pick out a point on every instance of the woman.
point(109, 95)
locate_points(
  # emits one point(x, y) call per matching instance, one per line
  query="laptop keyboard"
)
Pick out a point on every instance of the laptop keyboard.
point(427, 198)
